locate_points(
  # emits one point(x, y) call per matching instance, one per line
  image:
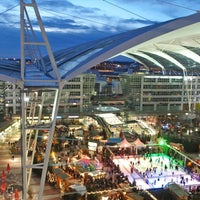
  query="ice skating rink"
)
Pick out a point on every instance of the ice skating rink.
point(155, 172)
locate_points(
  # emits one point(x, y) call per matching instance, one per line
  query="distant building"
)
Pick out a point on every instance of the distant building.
point(143, 92)
point(75, 97)
point(160, 92)
point(9, 99)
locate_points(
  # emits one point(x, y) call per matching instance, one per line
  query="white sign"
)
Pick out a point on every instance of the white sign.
point(92, 146)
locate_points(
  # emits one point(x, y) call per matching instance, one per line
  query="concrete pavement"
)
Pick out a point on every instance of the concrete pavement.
point(50, 192)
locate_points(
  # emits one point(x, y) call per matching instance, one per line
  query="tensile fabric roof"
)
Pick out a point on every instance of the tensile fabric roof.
point(172, 44)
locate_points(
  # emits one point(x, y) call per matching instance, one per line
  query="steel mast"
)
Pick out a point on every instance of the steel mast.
point(32, 98)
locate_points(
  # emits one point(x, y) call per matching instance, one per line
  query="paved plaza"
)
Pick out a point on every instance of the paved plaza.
point(15, 177)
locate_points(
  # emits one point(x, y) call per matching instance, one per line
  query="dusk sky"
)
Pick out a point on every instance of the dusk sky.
point(72, 22)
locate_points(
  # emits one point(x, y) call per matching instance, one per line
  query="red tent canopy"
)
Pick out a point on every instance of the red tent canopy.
point(124, 143)
point(138, 143)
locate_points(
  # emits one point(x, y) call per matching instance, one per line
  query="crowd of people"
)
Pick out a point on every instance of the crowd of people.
point(114, 177)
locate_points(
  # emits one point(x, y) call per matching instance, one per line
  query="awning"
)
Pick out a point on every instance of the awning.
point(60, 173)
point(114, 140)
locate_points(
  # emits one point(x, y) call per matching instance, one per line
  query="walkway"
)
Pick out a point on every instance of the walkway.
point(50, 193)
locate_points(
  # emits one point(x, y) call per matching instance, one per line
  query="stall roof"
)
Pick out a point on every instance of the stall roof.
point(60, 173)
point(110, 119)
point(178, 191)
point(114, 141)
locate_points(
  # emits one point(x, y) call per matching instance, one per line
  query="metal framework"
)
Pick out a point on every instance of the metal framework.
point(32, 98)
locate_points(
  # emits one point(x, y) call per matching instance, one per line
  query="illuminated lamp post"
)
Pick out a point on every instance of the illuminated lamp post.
point(161, 141)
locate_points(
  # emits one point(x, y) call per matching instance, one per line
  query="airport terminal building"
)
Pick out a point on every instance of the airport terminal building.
point(161, 93)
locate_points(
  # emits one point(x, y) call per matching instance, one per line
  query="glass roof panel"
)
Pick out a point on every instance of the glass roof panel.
point(185, 61)
point(165, 62)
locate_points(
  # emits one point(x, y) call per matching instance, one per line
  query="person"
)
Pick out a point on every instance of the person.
point(13, 157)
point(112, 134)
point(131, 166)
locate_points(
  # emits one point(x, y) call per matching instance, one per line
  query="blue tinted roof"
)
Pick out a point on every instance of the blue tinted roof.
point(174, 43)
